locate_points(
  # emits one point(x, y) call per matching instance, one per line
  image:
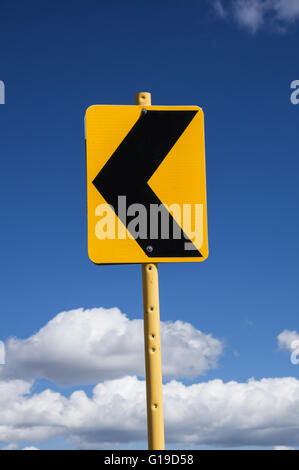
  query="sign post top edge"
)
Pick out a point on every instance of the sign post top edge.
point(95, 107)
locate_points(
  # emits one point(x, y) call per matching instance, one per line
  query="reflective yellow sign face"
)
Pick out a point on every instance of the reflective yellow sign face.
point(146, 186)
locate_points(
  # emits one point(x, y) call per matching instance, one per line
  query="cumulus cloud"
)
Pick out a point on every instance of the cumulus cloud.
point(81, 346)
point(253, 15)
point(287, 339)
point(257, 413)
point(87, 346)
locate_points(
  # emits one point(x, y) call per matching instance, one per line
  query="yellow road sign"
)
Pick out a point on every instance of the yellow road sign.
point(146, 187)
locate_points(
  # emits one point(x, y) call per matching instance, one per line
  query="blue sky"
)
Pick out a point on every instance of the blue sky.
point(235, 60)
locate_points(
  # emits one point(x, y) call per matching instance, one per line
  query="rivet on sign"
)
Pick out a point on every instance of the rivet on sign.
point(149, 249)
point(143, 111)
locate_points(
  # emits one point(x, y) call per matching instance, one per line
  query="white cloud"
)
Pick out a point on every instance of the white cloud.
point(253, 15)
point(109, 345)
point(10, 446)
point(283, 448)
point(249, 14)
point(2, 353)
point(219, 9)
point(286, 10)
point(287, 338)
point(256, 413)
point(87, 346)
point(30, 448)
point(13, 446)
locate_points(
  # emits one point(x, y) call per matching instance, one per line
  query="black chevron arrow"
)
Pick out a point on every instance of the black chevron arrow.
point(130, 167)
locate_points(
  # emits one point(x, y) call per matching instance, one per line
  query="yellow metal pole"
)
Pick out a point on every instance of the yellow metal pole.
point(152, 341)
